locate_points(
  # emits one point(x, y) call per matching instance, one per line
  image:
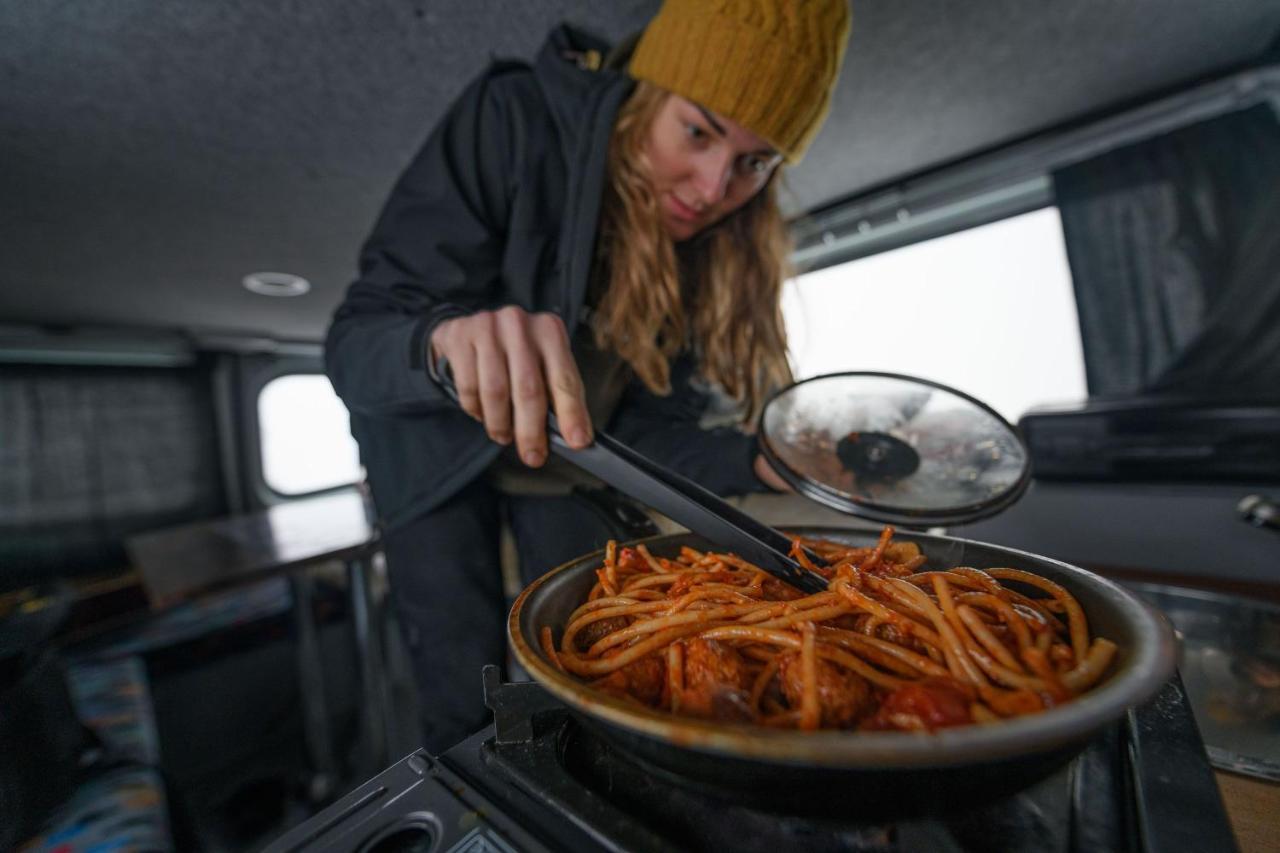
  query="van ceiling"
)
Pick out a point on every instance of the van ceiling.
point(153, 153)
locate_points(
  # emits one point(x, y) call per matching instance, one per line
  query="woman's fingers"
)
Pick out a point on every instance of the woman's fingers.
point(495, 388)
point(563, 379)
point(528, 392)
point(505, 365)
point(452, 344)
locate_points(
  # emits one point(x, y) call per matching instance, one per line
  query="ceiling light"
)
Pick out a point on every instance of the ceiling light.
point(276, 284)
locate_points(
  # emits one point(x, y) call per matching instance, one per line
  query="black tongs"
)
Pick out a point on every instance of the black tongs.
point(687, 503)
point(684, 502)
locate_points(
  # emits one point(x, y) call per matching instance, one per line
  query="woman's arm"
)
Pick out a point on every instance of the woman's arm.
point(430, 278)
point(434, 253)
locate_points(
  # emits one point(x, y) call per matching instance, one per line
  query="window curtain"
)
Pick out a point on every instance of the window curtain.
point(1174, 246)
point(91, 455)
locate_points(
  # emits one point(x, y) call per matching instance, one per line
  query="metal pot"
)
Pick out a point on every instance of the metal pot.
point(871, 774)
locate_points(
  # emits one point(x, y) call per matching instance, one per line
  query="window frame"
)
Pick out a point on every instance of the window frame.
point(1006, 180)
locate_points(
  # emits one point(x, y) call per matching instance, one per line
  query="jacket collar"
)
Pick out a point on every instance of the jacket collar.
point(567, 71)
point(583, 105)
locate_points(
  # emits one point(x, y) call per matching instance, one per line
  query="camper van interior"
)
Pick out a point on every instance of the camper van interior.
point(1066, 211)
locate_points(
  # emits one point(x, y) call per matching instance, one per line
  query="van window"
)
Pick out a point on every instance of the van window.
point(305, 436)
point(989, 311)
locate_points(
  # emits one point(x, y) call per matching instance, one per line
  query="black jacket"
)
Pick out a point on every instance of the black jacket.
point(500, 207)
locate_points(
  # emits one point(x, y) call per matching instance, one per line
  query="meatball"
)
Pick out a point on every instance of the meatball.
point(927, 704)
point(641, 680)
point(716, 682)
point(596, 631)
point(843, 696)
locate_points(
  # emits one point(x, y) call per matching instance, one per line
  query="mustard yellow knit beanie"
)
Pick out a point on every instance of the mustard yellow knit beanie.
point(769, 65)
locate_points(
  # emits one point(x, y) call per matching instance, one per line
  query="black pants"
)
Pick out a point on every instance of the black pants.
point(446, 581)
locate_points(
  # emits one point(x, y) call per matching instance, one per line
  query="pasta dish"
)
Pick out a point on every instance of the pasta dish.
point(890, 644)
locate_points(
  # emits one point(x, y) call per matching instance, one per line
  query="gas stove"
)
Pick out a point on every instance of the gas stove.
point(538, 780)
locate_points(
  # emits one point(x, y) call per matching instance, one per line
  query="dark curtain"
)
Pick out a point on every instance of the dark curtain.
point(1174, 246)
point(91, 455)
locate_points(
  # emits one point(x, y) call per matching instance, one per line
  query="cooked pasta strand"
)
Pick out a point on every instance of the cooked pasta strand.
point(711, 634)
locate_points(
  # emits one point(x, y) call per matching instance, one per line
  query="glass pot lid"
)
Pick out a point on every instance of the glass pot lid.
point(894, 448)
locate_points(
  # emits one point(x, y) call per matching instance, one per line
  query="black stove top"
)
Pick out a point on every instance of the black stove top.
point(537, 780)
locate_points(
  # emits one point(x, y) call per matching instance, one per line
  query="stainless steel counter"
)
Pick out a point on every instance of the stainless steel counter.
point(1229, 658)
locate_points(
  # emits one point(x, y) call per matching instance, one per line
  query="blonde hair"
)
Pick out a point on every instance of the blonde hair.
point(729, 313)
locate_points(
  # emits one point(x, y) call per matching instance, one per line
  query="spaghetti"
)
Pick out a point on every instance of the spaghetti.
point(890, 645)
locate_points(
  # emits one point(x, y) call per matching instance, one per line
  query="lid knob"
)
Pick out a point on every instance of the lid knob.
point(877, 456)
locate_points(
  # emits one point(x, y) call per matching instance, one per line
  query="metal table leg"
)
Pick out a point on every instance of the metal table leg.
point(315, 712)
point(370, 660)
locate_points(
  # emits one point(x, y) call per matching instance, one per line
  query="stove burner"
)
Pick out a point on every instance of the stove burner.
point(624, 805)
point(564, 771)
point(539, 780)
point(695, 820)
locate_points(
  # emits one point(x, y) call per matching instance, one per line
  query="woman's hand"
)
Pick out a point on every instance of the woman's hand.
point(768, 476)
point(504, 363)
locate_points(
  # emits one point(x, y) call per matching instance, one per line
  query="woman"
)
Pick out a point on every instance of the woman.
point(602, 243)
